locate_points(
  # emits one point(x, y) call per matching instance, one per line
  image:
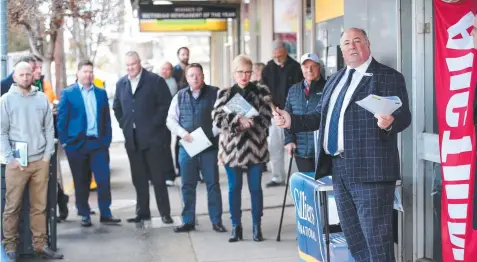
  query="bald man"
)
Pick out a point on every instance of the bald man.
point(27, 121)
point(166, 73)
point(357, 148)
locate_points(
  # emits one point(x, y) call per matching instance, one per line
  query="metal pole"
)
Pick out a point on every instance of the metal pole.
point(3, 37)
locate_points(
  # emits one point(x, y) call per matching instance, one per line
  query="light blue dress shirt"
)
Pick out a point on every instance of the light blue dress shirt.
point(91, 107)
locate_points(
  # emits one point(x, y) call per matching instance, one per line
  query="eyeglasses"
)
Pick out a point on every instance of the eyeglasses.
point(242, 73)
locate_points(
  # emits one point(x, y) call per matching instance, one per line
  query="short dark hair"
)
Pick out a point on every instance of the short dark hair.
point(182, 47)
point(194, 65)
point(84, 63)
point(27, 58)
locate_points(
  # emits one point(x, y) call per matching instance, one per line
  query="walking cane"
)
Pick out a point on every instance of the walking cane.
point(285, 196)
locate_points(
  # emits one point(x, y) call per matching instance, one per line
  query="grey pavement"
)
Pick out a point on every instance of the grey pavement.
point(157, 242)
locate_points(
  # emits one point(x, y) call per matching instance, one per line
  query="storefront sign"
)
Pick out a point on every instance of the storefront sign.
point(191, 10)
point(455, 80)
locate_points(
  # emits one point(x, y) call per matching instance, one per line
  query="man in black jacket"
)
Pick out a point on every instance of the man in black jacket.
point(279, 75)
point(140, 105)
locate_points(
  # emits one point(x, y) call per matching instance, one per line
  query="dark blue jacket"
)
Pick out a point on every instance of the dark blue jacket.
point(6, 83)
point(195, 113)
point(72, 122)
point(299, 103)
point(142, 115)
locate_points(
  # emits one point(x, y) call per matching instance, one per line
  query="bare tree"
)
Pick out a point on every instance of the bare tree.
point(90, 22)
point(41, 19)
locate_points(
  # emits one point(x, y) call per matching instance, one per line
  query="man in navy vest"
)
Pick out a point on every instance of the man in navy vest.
point(191, 109)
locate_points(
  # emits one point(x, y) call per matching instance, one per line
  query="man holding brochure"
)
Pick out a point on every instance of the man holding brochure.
point(357, 147)
point(27, 139)
point(190, 118)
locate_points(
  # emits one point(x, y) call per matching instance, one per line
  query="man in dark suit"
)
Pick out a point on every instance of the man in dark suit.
point(359, 148)
point(84, 130)
point(140, 105)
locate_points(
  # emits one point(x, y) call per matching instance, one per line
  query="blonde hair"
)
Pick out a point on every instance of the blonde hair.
point(242, 60)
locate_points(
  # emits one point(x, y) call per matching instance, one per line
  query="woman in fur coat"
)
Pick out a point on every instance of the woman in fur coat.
point(243, 144)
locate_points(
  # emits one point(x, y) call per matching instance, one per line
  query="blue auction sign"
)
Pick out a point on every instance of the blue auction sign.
point(309, 231)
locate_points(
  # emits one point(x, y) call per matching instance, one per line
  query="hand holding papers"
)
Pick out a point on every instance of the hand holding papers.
point(199, 142)
point(379, 105)
point(240, 106)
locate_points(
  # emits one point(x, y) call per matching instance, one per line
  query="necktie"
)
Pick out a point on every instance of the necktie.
point(307, 91)
point(335, 116)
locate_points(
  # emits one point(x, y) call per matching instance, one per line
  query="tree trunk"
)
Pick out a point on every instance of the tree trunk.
point(60, 67)
point(47, 69)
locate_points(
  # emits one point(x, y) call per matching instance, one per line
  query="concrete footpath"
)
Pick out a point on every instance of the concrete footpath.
point(157, 242)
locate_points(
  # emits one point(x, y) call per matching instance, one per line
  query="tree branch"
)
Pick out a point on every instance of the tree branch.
point(31, 40)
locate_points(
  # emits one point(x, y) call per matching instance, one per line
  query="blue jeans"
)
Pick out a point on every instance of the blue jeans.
point(206, 162)
point(254, 178)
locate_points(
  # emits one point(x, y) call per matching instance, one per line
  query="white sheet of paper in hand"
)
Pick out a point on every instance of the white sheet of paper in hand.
point(199, 143)
point(380, 105)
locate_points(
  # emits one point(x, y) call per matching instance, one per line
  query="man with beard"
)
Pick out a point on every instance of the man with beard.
point(26, 120)
point(8, 81)
point(178, 72)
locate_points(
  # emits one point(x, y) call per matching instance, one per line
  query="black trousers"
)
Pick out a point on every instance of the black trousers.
point(305, 164)
point(146, 166)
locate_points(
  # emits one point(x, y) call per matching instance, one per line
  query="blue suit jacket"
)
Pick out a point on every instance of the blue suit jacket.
point(371, 153)
point(71, 118)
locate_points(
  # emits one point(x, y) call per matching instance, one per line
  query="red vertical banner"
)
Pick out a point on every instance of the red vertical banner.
point(455, 80)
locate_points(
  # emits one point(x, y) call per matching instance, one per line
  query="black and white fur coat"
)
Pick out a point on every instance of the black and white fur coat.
point(238, 147)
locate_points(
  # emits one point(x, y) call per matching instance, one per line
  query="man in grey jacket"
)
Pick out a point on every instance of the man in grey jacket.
point(26, 120)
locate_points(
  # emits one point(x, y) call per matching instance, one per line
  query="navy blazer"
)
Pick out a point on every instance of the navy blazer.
point(71, 119)
point(146, 109)
point(370, 153)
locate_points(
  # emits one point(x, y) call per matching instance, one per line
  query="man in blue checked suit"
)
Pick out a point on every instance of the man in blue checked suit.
point(358, 148)
point(84, 130)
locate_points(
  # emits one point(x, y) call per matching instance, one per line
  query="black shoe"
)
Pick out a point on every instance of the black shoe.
point(184, 228)
point(219, 228)
point(63, 207)
point(12, 256)
point(257, 233)
point(49, 253)
point(167, 219)
point(137, 219)
point(274, 184)
point(109, 220)
point(86, 222)
point(237, 234)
